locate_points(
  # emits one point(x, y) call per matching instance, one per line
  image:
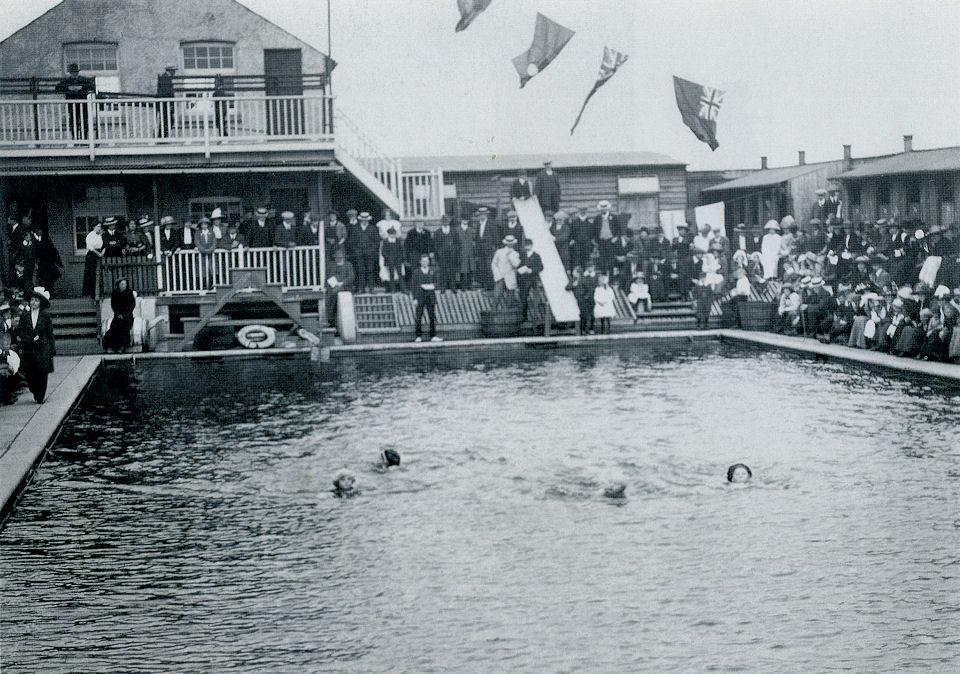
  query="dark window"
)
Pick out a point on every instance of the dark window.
point(912, 190)
point(883, 194)
point(946, 192)
point(853, 195)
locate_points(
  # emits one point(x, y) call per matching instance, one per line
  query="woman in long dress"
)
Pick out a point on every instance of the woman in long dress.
point(94, 244)
point(123, 301)
point(770, 249)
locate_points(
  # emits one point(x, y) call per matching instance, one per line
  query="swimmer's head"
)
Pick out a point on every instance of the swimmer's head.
point(739, 473)
point(345, 484)
point(615, 490)
point(390, 457)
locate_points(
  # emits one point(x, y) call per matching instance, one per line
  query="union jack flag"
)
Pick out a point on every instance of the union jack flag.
point(710, 101)
point(612, 60)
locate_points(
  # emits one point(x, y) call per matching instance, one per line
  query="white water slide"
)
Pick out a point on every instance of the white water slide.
point(563, 304)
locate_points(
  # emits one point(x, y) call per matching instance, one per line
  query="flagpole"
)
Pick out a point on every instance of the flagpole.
point(329, 51)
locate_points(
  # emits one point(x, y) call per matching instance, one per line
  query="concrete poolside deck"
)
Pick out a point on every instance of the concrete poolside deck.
point(27, 429)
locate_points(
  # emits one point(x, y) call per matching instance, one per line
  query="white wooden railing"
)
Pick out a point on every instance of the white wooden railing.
point(98, 126)
point(422, 194)
point(189, 271)
point(351, 140)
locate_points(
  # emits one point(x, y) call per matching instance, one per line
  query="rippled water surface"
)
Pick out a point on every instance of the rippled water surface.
point(184, 519)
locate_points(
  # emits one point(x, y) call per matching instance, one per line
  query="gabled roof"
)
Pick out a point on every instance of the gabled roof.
point(514, 162)
point(917, 161)
point(769, 177)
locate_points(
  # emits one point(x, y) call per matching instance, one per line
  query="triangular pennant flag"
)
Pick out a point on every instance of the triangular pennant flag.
point(699, 107)
point(470, 10)
point(549, 38)
point(612, 60)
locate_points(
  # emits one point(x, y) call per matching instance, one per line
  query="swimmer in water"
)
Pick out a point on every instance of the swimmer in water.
point(615, 490)
point(345, 485)
point(739, 473)
point(390, 457)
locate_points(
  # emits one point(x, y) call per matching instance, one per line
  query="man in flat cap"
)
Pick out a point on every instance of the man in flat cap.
point(260, 232)
point(548, 188)
point(286, 235)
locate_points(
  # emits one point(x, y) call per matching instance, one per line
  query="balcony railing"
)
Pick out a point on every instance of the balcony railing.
point(97, 126)
point(190, 272)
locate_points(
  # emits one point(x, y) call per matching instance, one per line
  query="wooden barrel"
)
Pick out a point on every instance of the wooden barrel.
point(756, 315)
point(500, 323)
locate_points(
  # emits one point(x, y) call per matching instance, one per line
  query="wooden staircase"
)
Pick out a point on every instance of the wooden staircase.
point(75, 327)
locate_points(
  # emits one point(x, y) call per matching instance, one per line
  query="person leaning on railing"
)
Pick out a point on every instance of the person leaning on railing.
point(171, 239)
point(95, 251)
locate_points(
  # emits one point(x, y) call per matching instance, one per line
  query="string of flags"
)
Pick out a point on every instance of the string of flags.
point(699, 105)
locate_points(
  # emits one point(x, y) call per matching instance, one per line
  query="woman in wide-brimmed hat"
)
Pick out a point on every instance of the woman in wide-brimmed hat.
point(770, 249)
point(37, 348)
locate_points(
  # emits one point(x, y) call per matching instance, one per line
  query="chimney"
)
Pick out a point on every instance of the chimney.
point(802, 156)
point(763, 163)
point(847, 158)
point(908, 144)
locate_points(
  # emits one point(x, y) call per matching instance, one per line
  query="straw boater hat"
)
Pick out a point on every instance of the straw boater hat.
point(217, 214)
point(603, 203)
point(288, 215)
point(509, 240)
point(740, 227)
point(167, 220)
point(262, 210)
point(816, 221)
point(110, 221)
point(362, 216)
point(41, 293)
point(772, 224)
point(145, 222)
point(817, 282)
point(862, 258)
point(483, 210)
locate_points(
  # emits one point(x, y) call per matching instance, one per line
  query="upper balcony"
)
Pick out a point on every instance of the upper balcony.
point(210, 117)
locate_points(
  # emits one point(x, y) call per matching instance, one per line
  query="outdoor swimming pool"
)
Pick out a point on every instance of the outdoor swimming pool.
point(184, 521)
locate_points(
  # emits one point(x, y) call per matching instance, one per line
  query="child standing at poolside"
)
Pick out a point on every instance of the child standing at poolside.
point(603, 303)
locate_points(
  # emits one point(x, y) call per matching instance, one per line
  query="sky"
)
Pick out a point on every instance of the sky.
point(806, 75)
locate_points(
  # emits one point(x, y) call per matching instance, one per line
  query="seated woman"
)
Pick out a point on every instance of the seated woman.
point(123, 301)
point(639, 294)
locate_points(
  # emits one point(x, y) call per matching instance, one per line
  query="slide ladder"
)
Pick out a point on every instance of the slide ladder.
point(554, 280)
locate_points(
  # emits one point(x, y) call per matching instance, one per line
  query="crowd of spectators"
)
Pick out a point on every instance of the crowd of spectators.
point(892, 285)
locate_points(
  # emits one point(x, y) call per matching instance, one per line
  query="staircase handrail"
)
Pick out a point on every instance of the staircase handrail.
point(354, 142)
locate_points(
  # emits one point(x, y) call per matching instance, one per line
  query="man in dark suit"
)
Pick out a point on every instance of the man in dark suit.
point(75, 87)
point(821, 209)
point(834, 205)
point(548, 188)
point(607, 227)
point(486, 245)
point(165, 106)
point(286, 235)
point(743, 240)
point(467, 239)
point(447, 246)
point(340, 278)
point(366, 253)
point(418, 243)
point(528, 275)
point(520, 188)
point(584, 237)
point(512, 227)
point(37, 347)
point(260, 232)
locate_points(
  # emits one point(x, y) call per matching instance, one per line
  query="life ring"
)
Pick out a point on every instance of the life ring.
point(257, 336)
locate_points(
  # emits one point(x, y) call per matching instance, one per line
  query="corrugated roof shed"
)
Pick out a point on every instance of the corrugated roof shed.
point(514, 162)
point(768, 177)
point(917, 161)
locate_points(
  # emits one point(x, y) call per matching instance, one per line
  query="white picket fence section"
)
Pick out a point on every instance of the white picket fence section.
point(422, 195)
point(189, 271)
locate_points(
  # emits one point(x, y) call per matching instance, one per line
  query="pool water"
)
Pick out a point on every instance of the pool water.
point(184, 519)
